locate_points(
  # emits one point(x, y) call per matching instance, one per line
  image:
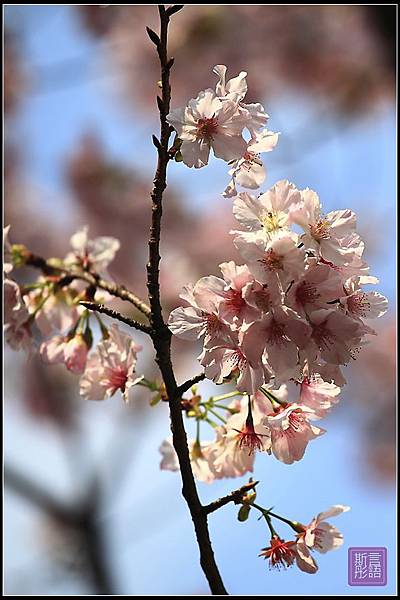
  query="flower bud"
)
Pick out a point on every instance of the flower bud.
point(75, 353)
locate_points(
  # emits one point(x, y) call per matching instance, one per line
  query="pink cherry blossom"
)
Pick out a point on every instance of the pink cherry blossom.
point(279, 257)
point(111, 367)
point(291, 431)
point(326, 234)
point(201, 318)
point(317, 394)
point(319, 285)
point(75, 353)
point(335, 336)
point(209, 123)
point(269, 213)
point(279, 334)
point(52, 350)
point(360, 304)
point(249, 171)
point(95, 254)
point(17, 322)
point(320, 535)
point(58, 314)
point(235, 90)
point(228, 359)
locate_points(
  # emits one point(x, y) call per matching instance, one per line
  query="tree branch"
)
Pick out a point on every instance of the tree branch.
point(235, 496)
point(184, 387)
point(119, 291)
point(100, 308)
point(82, 518)
point(161, 335)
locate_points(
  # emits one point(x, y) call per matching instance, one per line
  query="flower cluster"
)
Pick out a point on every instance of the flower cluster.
point(319, 536)
point(50, 309)
point(291, 315)
point(216, 120)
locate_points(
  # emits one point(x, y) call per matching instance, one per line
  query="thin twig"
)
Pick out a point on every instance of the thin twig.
point(188, 384)
point(235, 496)
point(161, 335)
point(100, 308)
point(119, 291)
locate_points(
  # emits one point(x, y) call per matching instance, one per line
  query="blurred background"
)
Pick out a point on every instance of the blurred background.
point(87, 509)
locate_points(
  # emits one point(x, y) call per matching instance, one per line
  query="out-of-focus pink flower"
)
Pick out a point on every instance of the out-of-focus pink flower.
point(169, 460)
point(58, 313)
point(52, 350)
point(95, 254)
point(17, 324)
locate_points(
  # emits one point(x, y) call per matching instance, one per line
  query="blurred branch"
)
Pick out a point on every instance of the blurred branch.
point(39, 497)
point(235, 496)
point(82, 518)
point(100, 308)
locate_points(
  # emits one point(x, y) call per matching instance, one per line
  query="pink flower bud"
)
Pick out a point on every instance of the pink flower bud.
point(75, 353)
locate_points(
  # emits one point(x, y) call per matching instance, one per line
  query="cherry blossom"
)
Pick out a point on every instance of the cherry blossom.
point(93, 255)
point(269, 213)
point(228, 359)
point(111, 367)
point(326, 234)
point(58, 313)
point(208, 123)
point(201, 318)
point(319, 535)
point(249, 171)
point(317, 394)
point(279, 257)
point(280, 553)
point(17, 322)
point(360, 304)
point(277, 336)
point(291, 431)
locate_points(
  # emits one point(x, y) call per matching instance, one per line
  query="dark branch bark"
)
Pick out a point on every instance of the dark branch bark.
point(100, 308)
point(235, 496)
point(119, 291)
point(188, 384)
point(161, 335)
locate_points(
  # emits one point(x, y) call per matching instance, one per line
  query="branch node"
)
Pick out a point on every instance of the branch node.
point(156, 142)
point(153, 36)
point(174, 9)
